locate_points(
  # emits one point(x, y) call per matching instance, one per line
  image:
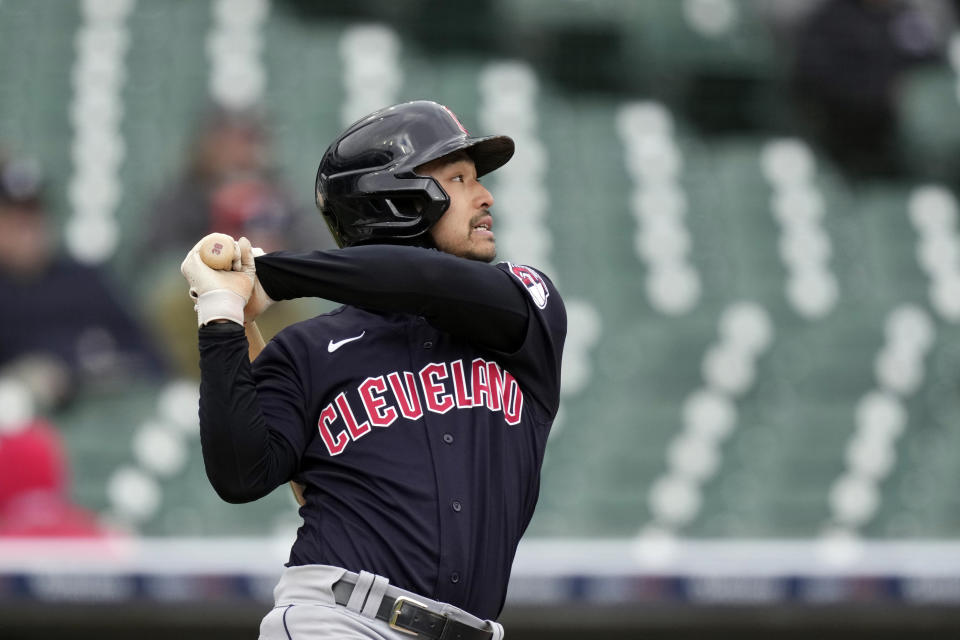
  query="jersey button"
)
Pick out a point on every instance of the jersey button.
point(428, 344)
point(455, 577)
point(448, 438)
point(456, 506)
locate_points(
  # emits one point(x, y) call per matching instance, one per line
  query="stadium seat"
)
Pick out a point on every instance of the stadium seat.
point(929, 112)
point(36, 84)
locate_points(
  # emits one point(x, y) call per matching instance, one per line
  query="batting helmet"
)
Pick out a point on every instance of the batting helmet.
point(367, 187)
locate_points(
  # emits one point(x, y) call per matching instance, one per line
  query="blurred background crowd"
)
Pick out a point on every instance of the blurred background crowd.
point(750, 206)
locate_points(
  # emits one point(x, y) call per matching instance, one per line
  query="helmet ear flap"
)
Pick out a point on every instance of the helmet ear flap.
point(333, 222)
point(405, 214)
point(380, 207)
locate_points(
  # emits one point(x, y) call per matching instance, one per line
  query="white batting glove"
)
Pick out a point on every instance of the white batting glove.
point(220, 295)
point(259, 300)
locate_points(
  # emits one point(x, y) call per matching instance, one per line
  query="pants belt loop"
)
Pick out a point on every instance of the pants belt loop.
point(377, 590)
point(359, 595)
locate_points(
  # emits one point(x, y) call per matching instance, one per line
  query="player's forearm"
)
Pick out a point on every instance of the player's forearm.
point(244, 459)
point(467, 298)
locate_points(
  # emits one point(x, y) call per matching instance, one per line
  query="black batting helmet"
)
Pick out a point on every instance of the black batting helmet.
point(367, 188)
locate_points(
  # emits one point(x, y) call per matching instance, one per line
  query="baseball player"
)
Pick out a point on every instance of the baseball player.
point(415, 416)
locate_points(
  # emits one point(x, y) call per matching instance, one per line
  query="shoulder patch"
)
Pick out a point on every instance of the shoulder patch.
point(533, 282)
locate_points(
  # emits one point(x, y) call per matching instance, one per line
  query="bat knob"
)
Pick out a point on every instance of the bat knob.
point(217, 251)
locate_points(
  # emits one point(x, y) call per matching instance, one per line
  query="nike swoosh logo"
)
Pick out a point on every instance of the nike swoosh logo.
point(333, 346)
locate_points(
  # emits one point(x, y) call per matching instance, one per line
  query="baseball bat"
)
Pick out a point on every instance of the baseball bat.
point(217, 251)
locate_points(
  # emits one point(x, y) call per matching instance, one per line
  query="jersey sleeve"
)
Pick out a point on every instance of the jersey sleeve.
point(247, 453)
point(281, 387)
point(466, 298)
point(536, 362)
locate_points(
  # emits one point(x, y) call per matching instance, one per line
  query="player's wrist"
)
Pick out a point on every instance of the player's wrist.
point(220, 304)
point(258, 303)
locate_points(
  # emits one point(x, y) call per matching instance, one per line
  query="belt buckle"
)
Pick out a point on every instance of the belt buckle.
point(397, 605)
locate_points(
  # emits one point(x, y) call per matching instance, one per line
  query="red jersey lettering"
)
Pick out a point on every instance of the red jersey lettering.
point(356, 430)
point(481, 386)
point(494, 385)
point(437, 401)
point(379, 413)
point(334, 445)
point(406, 393)
point(464, 401)
point(512, 399)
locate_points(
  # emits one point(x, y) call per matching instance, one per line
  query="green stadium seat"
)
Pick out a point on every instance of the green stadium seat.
point(35, 87)
point(692, 37)
point(929, 113)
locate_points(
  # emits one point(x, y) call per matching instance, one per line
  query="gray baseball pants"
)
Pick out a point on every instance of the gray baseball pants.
point(305, 608)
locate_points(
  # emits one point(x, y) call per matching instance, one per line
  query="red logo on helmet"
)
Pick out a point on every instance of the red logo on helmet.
point(455, 119)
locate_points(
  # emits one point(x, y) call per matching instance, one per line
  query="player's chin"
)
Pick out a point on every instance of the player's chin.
point(487, 250)
point(482, 252)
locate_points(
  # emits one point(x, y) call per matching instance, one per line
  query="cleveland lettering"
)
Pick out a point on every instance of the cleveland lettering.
point(439, 387)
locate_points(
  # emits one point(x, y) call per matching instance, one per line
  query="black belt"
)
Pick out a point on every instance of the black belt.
point(406, 615)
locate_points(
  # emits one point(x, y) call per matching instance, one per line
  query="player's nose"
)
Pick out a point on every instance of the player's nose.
point(484, 197)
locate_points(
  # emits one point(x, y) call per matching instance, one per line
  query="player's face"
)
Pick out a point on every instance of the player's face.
point(465, 229)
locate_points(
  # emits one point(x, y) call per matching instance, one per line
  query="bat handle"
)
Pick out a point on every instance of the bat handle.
point(217, 251)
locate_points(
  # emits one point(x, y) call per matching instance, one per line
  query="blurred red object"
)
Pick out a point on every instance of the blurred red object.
point(34, 487)
point(251, 207)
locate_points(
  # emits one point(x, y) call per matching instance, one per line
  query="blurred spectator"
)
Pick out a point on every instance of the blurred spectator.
point(230, 185)
point(62, 325)
point(34, 486)
point(850, 55)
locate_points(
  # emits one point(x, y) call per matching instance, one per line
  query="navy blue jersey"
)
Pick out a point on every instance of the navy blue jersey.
point(418, 438)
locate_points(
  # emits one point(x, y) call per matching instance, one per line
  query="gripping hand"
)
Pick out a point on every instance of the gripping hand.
point(220, 294)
